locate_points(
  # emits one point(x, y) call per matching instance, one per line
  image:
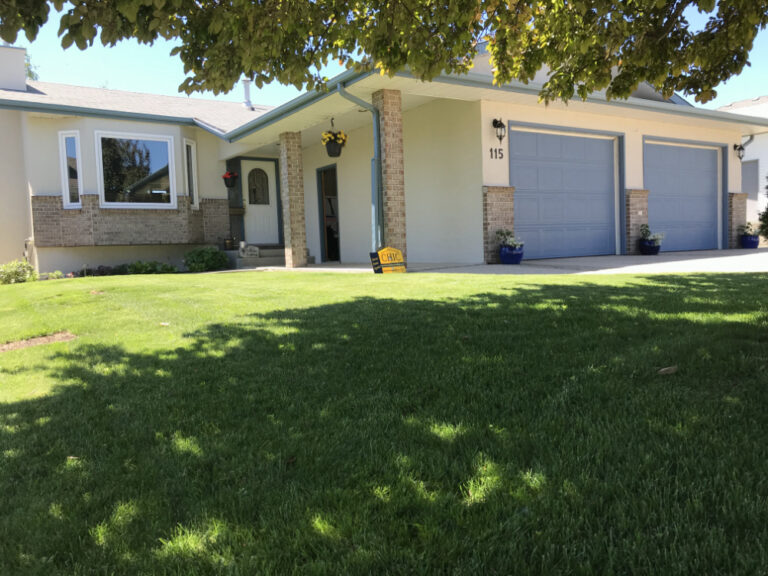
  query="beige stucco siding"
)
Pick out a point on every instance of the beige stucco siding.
point(443, 182)
point(353, 173)
point(14, 215)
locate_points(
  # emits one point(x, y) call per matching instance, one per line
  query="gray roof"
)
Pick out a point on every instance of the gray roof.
point(220, 116)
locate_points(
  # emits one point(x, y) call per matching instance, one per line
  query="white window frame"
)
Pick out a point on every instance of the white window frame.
point(195, 192)
point(64, 169)
point(172, 205)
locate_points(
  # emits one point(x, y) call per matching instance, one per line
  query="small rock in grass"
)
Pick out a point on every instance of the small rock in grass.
point(668, 370)
point(165, 324)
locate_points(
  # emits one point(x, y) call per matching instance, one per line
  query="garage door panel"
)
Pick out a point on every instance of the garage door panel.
point(551, 178)
point(568, 209)
point(682, 183)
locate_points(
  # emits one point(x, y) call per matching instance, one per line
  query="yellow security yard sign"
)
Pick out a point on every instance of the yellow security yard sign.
point(387, 261)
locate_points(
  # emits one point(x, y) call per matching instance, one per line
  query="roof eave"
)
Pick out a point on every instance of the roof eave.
point(307, 99)
point(23, 106)
point(636, 103)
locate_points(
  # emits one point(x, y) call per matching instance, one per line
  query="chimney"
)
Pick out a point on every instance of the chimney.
point(13, 69)
point(247, 94)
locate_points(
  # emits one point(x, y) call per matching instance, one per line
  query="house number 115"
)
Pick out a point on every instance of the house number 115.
point(497, 153)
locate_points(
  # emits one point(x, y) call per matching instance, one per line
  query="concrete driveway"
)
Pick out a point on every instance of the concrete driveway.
point(713, 261)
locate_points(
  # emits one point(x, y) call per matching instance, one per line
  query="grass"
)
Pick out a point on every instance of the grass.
point(331, 424)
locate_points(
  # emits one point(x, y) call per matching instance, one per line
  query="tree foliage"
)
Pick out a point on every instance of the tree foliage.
point(587, 45)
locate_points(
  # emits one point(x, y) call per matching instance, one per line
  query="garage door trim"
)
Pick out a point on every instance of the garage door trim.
point(722, 181)
point(619, 160)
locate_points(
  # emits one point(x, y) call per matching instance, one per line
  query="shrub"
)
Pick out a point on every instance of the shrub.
point(206, 259)
point(16, 272)
point(152, 267)
point(763, 227)
point(55, 275)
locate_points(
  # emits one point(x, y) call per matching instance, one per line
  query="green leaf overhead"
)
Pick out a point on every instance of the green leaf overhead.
point(586, 45)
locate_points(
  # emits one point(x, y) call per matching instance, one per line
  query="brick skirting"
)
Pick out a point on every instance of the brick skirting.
point(737, 217)
point(636, 216)
point(498, 213)
point(92, 225)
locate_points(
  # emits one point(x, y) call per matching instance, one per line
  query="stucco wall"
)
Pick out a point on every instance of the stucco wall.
point(443, 186)
point(443, 182)
point(14, 199)
point(353, 173)
point(579, 115)
point(758, 150)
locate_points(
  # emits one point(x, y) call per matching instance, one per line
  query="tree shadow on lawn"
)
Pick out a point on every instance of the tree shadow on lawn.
point(524, 433)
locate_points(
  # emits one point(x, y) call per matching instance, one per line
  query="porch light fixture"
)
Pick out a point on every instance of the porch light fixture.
point(739, 148)
point(501, 129)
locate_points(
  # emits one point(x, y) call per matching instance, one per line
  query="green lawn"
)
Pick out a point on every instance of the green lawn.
point(421, 424)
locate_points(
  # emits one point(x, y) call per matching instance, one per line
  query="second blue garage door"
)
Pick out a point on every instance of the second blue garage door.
point(564, 194)
point(682, 184)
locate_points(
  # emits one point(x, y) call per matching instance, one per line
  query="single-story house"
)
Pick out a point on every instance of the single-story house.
point(94, 176)
point(754, 166)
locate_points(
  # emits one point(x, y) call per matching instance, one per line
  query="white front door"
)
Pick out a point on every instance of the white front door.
point(260, 200)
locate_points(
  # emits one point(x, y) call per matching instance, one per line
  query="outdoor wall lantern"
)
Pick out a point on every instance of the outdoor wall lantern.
point(501, 129)
point(739, 150)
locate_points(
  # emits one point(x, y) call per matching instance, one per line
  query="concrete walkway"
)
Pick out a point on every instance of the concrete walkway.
point(712, 261)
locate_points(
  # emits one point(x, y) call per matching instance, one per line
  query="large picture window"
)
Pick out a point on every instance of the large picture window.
point(135, 170)
point(71, 169)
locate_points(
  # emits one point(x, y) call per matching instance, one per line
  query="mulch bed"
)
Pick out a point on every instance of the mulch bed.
point(39, 341)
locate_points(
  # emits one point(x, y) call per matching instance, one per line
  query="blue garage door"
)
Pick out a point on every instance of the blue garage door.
point(682, 184)
point(564, 194)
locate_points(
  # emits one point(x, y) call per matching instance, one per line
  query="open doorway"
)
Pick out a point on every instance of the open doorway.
point(328, 196)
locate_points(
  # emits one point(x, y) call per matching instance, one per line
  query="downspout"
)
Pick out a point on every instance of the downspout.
point(377, 203)
point(749, 141)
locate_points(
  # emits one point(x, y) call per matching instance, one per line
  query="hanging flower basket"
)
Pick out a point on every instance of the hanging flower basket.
point(230, 179)
point(334, 142)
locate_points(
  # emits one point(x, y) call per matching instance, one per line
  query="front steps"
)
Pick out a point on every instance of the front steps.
point(255, 256)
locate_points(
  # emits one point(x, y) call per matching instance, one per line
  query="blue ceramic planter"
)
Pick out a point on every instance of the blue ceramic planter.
point(648, 247)
point(748, 241)
point(509, 255)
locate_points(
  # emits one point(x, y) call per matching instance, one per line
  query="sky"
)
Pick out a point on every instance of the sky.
point(141, 68)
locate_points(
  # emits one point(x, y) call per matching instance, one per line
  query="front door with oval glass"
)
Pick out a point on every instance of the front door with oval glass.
point(260, 202)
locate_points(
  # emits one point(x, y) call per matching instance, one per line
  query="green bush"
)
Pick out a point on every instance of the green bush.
point(206, 259)
point(16, 272)
point(55, 275)
point(152, 267)
point(763, 227)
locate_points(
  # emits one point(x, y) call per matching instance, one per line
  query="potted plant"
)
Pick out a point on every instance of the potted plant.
point(650, 244)
point(510, 248)
point(749, 235)
point(334, 141)
point(230, 179)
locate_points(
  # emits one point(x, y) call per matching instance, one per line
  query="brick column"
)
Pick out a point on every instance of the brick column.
point(498, 212)
point(737, 216)
point(389, 104)
point(636, 216)
point(292, 195)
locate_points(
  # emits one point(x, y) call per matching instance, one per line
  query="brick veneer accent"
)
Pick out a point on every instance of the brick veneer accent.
point(498, 212)
point(389, 104)
point(636, 216)
point(292, 194)
point(92, 225)
point(737, 216)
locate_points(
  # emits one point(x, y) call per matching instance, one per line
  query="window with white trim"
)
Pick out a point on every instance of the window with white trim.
point(190, 172)
point(71, 168)
point(135, 170)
